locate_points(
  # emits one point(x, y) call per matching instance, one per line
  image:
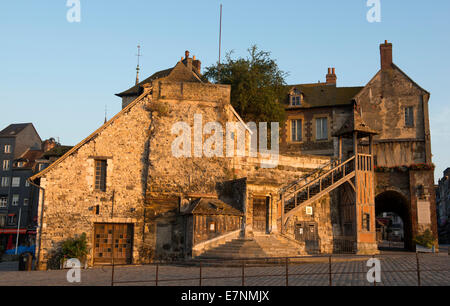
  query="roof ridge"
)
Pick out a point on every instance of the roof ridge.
point(87, 139)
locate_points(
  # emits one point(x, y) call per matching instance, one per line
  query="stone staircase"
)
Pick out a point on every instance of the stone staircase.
point(262, 246)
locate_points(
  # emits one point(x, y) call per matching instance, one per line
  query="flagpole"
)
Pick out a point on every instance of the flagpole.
point(18, 227)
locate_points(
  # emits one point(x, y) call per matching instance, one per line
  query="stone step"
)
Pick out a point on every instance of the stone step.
point(260, 246)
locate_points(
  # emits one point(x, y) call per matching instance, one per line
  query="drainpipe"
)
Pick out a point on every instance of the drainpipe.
point(40, 221)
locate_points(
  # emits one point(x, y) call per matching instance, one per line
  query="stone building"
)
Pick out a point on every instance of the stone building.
point(397, 109)
point(22, 154)
point(443, 207)
point(138, 201)
point(20, 145)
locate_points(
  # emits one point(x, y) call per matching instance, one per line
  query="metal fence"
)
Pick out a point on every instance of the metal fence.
point(416, 270)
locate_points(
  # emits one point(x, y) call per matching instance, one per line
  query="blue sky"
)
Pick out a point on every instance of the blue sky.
point(60, 75)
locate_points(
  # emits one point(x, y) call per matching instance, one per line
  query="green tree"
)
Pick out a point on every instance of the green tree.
point(257, 85)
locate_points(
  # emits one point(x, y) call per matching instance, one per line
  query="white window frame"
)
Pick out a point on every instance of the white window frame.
point(27, 183)
point(13, 218)
point(4, 202)
point(15, 200)
point(6, 165)
point(7, 149)
point(15, 182)
point(3, 220)
point(5, 181)
point(296, 135)
point(321, 129)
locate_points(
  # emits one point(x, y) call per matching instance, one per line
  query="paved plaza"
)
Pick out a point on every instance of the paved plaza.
point(396, 270)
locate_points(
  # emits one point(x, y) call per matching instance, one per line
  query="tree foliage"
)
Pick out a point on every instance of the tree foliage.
point(426, 239)
point(257, 85)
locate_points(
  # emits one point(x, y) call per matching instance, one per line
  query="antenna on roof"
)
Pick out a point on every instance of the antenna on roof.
point(138, 68)
point(220, 38)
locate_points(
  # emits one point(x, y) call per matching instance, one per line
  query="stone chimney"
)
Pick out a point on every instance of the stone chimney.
point(386, 55)
point(188, 60)
point(331, 76)
point(197, 65)
point(48, 144)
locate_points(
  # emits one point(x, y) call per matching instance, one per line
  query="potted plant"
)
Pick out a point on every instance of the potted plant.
point(425, 242)
point(74, 248)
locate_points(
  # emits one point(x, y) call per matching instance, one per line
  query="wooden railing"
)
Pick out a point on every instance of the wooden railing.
point(299, 194)
point(365, 162)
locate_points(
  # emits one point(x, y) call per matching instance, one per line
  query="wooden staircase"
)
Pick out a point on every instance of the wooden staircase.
point(307, 190)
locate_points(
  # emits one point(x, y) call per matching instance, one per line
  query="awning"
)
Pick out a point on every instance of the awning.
point(11, 215)
point(22, 231)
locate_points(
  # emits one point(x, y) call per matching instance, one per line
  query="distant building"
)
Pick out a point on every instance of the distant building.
point(22, 154)
point(20, 144)
point(443, 207)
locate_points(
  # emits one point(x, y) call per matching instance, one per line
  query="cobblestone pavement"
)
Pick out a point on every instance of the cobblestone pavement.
point(396, 270)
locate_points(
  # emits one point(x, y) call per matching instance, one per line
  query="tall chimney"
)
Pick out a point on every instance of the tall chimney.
point(386, 55)
point(331, 76)
point(197, 64)
point(188, 60)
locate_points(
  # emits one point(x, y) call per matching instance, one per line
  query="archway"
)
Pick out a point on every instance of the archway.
point(393, 203)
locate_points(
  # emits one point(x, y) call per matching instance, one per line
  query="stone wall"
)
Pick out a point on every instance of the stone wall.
point(69, 200)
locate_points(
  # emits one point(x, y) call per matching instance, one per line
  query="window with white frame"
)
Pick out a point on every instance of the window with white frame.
point(12, 219)
point(15, 200)
point(6, 165)
point(5, 181)
point(296, 130)
point(7, 149)
point(2, 220)
point(15, 182)
point(26, 201)
point(3, 202)
point(321, 128)
point(27, 183)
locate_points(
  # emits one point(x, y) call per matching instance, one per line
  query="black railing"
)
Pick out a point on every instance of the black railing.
point(289, 269)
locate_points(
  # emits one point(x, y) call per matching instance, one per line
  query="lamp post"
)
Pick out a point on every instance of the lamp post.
point(18, 229)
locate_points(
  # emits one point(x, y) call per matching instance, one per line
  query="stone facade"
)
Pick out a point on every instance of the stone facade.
point(151, 189)
point(443, 207)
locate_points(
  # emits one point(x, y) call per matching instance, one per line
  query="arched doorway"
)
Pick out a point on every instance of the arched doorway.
point(394, 205)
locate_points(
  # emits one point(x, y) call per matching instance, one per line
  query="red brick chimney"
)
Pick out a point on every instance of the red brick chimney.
point(331, 76)
point(386, 55)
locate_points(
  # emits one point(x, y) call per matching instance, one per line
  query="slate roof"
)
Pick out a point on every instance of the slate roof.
point(205, 206)
point(322, 94)
point(29, 157)
point(57, 151)
point(136, 90)
point(14, 129)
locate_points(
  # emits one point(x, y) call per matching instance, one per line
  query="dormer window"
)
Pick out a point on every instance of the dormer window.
point(296, 98)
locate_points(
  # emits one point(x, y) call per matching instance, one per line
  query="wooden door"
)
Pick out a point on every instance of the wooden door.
point(260, 214)
point(113, 240)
